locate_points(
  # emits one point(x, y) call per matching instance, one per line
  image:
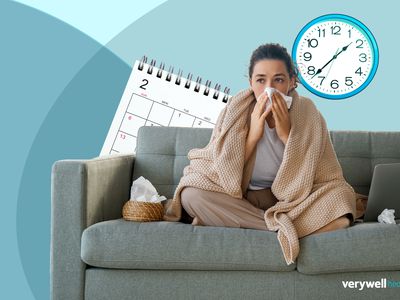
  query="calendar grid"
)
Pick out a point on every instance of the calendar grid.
point(119, 128)
point(203, 119)
point(152, 101)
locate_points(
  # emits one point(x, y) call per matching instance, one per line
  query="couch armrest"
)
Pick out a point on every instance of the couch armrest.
point(83, 192)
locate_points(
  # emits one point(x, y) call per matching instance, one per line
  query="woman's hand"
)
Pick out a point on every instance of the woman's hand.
point(281, 117)
point(258, 117)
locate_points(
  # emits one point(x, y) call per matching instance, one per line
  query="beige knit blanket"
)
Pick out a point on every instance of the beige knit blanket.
point(309, 184)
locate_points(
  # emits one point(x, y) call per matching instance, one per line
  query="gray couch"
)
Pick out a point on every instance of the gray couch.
point(95, 254)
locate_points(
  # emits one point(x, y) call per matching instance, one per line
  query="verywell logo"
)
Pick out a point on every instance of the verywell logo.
point(380, 284)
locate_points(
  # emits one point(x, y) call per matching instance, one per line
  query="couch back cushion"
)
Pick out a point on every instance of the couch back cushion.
point(161, 154)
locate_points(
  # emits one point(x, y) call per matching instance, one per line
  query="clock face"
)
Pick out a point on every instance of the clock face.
point(336, 55)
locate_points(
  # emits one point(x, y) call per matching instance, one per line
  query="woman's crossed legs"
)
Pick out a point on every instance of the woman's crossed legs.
point(219, 209)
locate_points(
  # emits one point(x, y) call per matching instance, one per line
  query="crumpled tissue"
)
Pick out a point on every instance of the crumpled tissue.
point(387, 216)
point(271, 90)
point(143, 190)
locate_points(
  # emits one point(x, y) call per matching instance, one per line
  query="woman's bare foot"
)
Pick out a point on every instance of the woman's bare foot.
point(196, 221)
point(339, 223)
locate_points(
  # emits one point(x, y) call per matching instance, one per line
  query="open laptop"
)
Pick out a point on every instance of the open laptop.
point(384, 192)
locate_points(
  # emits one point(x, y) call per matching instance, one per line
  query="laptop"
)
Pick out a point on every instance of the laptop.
point(384, 192)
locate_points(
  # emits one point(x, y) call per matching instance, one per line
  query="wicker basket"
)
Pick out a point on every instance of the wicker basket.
point(142, 211)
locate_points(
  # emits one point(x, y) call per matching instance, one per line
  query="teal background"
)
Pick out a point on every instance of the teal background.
point(59, 89)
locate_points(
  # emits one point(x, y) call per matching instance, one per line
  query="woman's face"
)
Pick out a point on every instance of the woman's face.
point(270, 73)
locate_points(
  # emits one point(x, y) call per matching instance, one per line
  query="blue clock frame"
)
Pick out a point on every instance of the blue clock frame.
point(354, 22)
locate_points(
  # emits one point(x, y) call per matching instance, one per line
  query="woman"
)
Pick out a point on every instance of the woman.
point(270, 66)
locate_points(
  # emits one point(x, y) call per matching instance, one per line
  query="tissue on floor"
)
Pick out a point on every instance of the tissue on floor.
point(143, 190)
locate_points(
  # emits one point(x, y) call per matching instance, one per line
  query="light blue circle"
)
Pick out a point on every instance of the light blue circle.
point(354, 22)
point(83, 90)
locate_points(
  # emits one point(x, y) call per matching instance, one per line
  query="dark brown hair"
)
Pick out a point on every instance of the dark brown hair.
point(274, 51)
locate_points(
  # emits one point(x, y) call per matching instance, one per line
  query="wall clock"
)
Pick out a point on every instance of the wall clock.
point(336, 55)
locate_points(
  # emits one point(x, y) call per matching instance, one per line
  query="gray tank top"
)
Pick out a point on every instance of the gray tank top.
point(269, 157)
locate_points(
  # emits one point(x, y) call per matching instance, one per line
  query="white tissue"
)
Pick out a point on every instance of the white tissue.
point(143, 190)
point(387, 216)
point(271, 90)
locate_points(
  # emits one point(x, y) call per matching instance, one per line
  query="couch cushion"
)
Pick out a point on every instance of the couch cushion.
point(165, 148)
point(369, 246)
point(174, 245)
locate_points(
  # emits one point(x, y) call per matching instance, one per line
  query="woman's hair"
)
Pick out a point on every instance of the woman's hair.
point(274, 51)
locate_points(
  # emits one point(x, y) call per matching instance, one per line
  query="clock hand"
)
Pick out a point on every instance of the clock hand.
point(334, 57)
point(330, 67)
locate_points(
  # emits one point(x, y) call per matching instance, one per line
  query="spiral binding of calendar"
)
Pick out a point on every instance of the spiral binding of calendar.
point(188, 82)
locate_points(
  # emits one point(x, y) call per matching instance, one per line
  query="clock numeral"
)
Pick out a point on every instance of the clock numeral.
point(307, 56)
point(334, 84)
point(358, 71)
point(321, 33)
point(312, 43)
point(359, 41)
point(349, 33)
point(323, 78)
point(311, 70)
point(362, 57)
point(336, 30)
point(348, 81)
